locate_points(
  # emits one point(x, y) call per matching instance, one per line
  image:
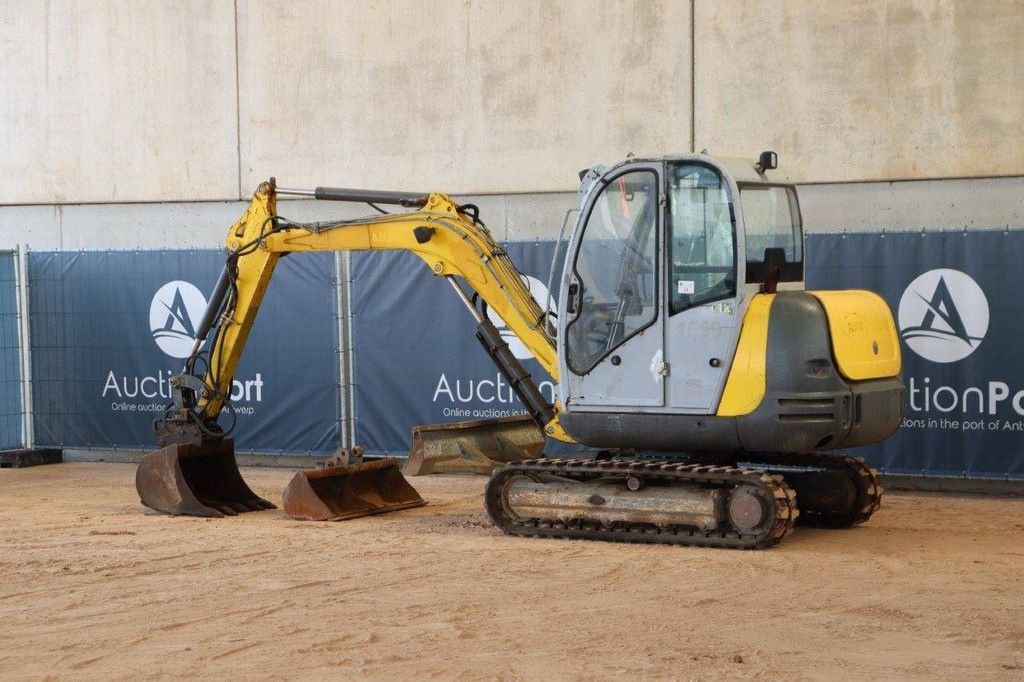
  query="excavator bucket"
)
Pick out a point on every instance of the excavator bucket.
point(196, 480)
point(349, 487)
point(473, 447)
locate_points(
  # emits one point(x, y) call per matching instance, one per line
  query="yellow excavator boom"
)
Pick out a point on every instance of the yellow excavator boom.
point(194, 471)
point(448, 241)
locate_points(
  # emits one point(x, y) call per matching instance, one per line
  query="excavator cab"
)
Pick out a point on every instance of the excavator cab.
point(671, 262)
point(657, 284)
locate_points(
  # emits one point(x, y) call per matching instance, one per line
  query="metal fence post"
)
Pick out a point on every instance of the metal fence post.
point(342, 352)
point(348, 370)
point(25, 349)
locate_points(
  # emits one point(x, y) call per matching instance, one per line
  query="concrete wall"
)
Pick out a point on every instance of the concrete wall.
point(470, 97)
point(110, 104)
point(117, 100)
point(203, 225)
point(978, 203)
point(984, 203)
point(864, 90)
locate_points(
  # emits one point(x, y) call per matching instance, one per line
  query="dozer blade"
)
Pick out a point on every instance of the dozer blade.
point(475, 447)
point(196, 480)
point(346, 491)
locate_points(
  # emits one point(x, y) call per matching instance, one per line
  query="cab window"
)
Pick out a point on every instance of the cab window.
point(615, 270)
point(702, 238)
point(774, 237)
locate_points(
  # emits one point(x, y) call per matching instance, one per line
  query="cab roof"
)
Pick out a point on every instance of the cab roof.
point(742, 169)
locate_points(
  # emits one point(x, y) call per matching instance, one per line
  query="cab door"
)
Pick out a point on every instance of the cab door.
point(704, 312)
point(611, 333)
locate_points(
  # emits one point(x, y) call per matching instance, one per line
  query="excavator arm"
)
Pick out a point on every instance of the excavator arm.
point(452, 242)
point(195, 473)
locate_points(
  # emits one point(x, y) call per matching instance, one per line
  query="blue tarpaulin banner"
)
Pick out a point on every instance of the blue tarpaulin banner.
point(956, 296)
point(110, 328)
point(416, 358)
point(10, 368)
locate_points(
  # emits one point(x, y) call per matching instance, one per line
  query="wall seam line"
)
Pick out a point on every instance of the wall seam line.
point(693, 77)
point(238, 109)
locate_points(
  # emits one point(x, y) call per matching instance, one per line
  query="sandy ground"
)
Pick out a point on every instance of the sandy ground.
point(92, 585)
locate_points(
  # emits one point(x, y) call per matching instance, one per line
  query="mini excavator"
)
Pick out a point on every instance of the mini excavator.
point(710, 388)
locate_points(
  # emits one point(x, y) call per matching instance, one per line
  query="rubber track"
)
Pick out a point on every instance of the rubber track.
point(725, 477)
point(865, 477)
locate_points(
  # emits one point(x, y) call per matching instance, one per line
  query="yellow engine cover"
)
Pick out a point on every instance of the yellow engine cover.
point(864, 338)
point(861, 331)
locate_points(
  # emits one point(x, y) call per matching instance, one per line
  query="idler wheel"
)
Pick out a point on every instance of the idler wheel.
point(749, 511)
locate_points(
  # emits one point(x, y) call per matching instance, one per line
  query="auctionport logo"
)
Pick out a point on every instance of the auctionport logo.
point(174, 313)
point(539, 291)
point(943, 315)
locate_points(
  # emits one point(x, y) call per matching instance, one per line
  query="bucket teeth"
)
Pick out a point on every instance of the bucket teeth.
point(196, 480)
